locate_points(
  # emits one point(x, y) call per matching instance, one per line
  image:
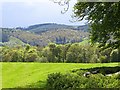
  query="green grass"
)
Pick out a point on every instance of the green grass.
point(25, 74)
point(0, 76)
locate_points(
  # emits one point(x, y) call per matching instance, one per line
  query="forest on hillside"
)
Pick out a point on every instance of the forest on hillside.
point(43, 34)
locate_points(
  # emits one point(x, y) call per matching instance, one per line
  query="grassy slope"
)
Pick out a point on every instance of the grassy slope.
point(23, 74)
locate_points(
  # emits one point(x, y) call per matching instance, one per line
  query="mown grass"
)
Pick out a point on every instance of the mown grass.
point(27, 74)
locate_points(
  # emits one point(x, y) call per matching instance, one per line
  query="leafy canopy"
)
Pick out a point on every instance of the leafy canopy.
point(104, 19)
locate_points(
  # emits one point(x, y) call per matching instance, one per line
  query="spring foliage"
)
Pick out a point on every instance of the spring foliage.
point(104, 19)
point(69, 53)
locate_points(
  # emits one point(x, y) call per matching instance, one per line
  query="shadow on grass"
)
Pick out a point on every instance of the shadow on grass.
point(34, 86)
point(39, 84)
point(102, 70)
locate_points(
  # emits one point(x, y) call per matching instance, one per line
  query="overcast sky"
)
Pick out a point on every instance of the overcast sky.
point(23, 13)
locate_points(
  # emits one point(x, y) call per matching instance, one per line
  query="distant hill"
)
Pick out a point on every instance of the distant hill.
point(83, 28)
point(38, 28)
point(42, 34)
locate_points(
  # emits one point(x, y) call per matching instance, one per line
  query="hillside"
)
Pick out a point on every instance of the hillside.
point(38, 28)
point(12, 42)
point(42, 34)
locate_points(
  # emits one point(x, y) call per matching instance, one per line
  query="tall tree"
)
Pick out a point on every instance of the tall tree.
point(104, 18)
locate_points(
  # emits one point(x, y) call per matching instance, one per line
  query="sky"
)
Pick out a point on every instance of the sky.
point(23, 13)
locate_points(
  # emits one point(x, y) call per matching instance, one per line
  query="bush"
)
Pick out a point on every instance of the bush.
point(58, 81)
point(16, 56)
point(31, 57)
point(42, 60)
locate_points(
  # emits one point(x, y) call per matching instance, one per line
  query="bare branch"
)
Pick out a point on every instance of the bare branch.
point(62, 3)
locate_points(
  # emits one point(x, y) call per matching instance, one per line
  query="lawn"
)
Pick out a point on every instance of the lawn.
point(25, 74)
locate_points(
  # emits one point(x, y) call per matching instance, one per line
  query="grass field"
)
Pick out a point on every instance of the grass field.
point(25, 74)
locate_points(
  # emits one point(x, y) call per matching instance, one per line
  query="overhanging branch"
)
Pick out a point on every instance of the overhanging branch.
point(62, 3)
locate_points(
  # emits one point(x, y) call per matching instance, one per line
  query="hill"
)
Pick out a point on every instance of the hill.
point(38, 28)
point(42, 34)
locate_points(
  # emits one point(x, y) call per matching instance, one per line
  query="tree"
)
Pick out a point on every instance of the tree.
point(58, 52)
point(47, 53)
point(16, 56)
point(64, 51)
point(52, 47)
point(31, 57)
point(104, 20)
point(72, 53)
point(115, 56)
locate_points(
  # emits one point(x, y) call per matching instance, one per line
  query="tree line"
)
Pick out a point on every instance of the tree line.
point(58, 53)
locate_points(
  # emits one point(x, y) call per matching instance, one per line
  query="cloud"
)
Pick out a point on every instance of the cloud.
point(24, 0)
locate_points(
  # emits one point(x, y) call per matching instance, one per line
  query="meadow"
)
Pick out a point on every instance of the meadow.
point(24, 75)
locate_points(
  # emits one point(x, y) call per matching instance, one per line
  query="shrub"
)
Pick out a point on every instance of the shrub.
point(59, 81)
point(31, 57)
point(42, 59)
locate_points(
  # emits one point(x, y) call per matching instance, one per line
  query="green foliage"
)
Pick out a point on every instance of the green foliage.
point(31, 57)
point(82, 54)
point(68, 81)
point(58, 81)
point(69, 53)
point(16, 56)
point(104, 19)
point(115, 55)
point(13, 42)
